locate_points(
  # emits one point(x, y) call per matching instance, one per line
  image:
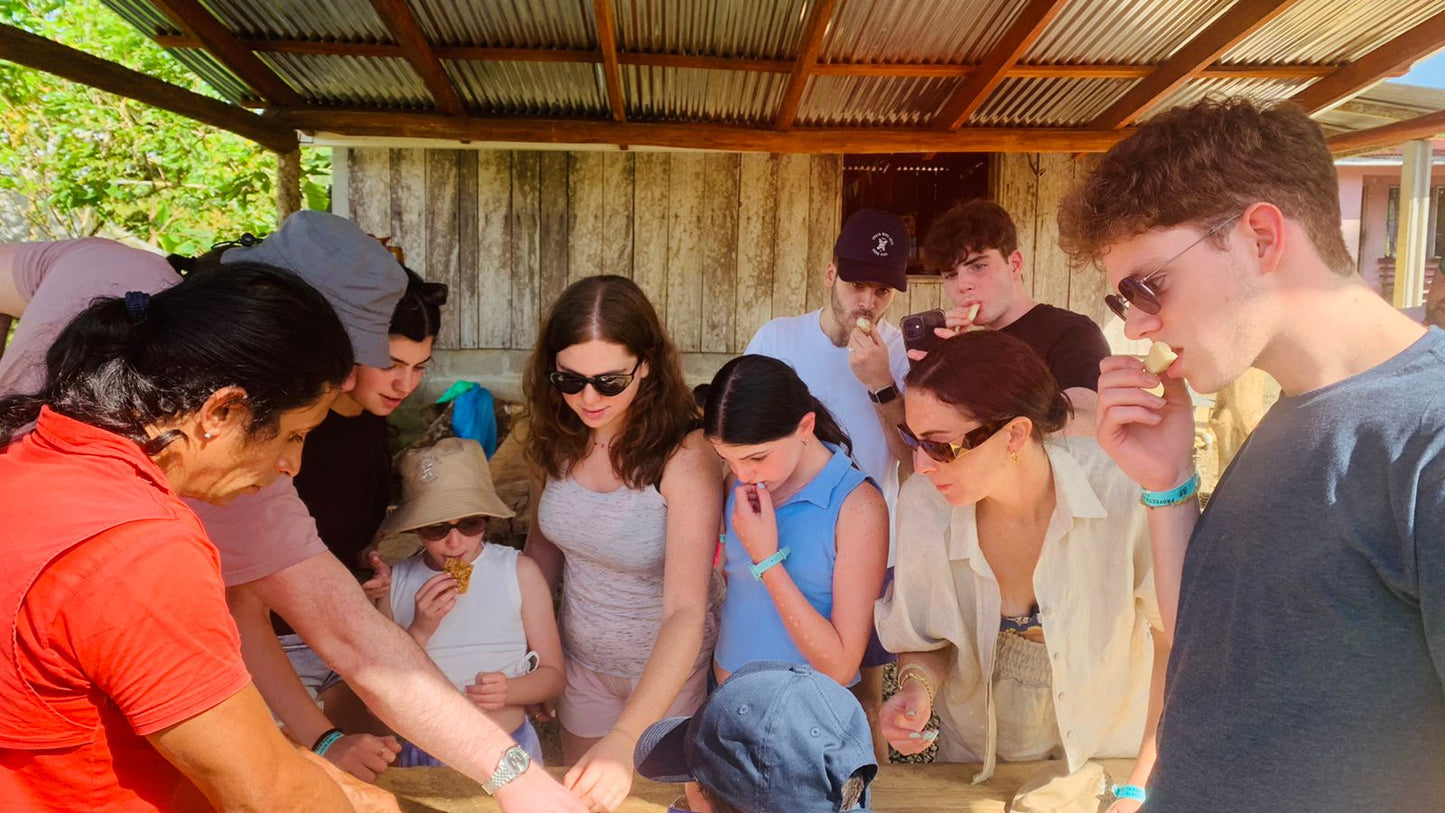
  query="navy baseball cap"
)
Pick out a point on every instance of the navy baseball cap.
point(873, 247)
point(774, 737)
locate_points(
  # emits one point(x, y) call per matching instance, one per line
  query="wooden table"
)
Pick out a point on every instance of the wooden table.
point(898, 789)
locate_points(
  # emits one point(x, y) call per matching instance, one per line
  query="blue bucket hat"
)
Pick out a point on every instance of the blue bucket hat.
point(775, 737)
point(353, 270)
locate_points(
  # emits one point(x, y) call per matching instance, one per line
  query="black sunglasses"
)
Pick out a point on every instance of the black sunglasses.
point(944, 451)
point(1139, 293)
point(607, 385)
point(469, 526)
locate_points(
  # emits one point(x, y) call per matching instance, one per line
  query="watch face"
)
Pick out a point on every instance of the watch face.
point(516, 760)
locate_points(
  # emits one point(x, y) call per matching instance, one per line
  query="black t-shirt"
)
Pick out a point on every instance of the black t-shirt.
point(345, 482)
point(1069, 343)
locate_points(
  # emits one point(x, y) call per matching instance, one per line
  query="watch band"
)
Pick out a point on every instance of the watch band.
point(884, 395)
point(514, 763)
point(1174, 496)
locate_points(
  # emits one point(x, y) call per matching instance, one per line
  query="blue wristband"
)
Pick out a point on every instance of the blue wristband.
point(762, 567)
point(1133, 792)
point(1174, 496)
point(327, 740)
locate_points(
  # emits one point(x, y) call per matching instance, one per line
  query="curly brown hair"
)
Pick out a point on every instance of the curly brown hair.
point(612, 309)
point(1199, 165)
point(969, 227)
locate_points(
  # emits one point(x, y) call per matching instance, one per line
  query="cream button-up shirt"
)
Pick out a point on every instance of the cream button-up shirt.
point(1095, 588)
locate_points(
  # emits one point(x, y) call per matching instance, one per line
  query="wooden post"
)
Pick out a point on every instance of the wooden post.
point(1413, 237)
point(288, 184)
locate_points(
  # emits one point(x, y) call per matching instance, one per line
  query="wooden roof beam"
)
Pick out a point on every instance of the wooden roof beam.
point(1243, 18)
point(399, 20)
point(24, 48)
point(808, 47)
point(214, 37)
point(971, 92)
point(731, 138)
point(611, 72)
point(1387, 60)
point(1389, 135)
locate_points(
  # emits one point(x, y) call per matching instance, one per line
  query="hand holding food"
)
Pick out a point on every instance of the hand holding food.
point(865, 325)
point(1160, 357)
point(461, 570)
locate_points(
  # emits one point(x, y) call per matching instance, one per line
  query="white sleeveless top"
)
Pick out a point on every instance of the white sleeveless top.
point(483, 632)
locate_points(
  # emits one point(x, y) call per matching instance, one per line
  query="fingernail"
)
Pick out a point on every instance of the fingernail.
point(912, 713)
point(763, 486)
point(931, 735)
point(914, 735)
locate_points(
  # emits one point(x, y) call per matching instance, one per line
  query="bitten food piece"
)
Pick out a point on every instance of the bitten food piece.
point(973, 312)
point(865, 325)
point(459, 569)
point(1160, 357)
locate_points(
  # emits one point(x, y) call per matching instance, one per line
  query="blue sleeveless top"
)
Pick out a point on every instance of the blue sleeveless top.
point(750, 628)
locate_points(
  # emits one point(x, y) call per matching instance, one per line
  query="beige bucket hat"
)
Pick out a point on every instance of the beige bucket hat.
point(444, 483)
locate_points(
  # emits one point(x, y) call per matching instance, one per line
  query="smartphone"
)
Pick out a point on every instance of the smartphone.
point(918, 330)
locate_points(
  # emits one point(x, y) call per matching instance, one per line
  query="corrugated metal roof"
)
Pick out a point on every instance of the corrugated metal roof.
point(1332, 31)
point(147, 19)
point(886, 101)
point(518, 23)
point(736, 28)
point(530, 88)
point(948, 31)
point(352, 80)
point(1024, 102)
point(1260, 90)
point(735, 97)
point(301, 19)
point(1137, 32)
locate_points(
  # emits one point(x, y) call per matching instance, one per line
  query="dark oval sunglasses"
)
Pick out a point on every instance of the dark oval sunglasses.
point(1139, 293)
point(944, 451)
point(468, 526)
point(607, 385)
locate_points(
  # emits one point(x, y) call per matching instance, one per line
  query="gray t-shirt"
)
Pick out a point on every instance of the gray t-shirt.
point(1308, 662)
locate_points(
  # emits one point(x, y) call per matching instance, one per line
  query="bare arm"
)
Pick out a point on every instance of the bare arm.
point(835, 645)
point(890, 415)
point(226, 748)
point(271, 670)
point(12, 304)
point(538, 547)
point(1169, 532)
point(1148, 749)
point(396, 680)
point(540, 624)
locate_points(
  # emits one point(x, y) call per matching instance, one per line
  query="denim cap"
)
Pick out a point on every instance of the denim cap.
point(774, 737)
point(357, 274)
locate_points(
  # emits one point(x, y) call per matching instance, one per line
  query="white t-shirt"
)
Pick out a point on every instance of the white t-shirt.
point(823, 366)
point(483, 632)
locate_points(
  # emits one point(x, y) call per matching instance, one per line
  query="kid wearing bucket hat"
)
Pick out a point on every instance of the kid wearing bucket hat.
point(483, 612)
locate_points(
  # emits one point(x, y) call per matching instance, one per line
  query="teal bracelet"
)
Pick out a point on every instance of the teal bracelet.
point(762, 567)
point(327, 740)
point(1133, 792)
point(1174, 496)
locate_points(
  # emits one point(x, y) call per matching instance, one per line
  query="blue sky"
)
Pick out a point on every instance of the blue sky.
point(1429, 73)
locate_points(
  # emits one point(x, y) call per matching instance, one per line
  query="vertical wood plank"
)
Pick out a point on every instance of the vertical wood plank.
point(720, 251)
point(825, 205)
point(792, 276)
point(1016, 190)
point(552, 197)
point(409, 201)
point(649, 223)
point(584, 215)
point(493, 243)
point(1050, 267)
point(369, 189)
point(469, 268)
point(684, 255)
point(1087, 284)
point(757, 237)
point(441, 234)
point(526, 227)
point(618, 173)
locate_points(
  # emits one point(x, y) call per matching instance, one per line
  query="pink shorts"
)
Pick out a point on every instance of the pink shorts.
point(592, 701)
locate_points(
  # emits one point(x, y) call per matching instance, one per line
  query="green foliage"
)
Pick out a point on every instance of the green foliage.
point(77, 161)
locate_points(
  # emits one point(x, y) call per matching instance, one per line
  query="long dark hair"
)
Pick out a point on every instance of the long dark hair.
point(991, 377)
point(757, 399)
point(612, 309)
point(126, 363)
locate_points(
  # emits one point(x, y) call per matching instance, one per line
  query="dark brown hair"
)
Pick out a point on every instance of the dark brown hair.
point(970, 227)
point(612, 309)
point(757, 399)
point(1200, 165)
point(992, 377)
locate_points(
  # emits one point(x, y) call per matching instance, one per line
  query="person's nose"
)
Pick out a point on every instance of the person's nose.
point(922, 463)
point(1140, 325)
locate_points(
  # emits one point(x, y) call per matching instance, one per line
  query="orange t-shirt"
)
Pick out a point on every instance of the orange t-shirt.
point(124, 634)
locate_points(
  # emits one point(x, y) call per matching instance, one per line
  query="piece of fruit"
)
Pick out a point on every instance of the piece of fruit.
point(973, 312)
point(865, 325)
point(1160, 357)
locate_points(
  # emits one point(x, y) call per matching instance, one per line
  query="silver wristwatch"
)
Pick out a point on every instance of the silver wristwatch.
point(514, 763)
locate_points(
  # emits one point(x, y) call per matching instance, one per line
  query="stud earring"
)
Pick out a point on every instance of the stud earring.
point(1013, 456)
point(205, 435)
